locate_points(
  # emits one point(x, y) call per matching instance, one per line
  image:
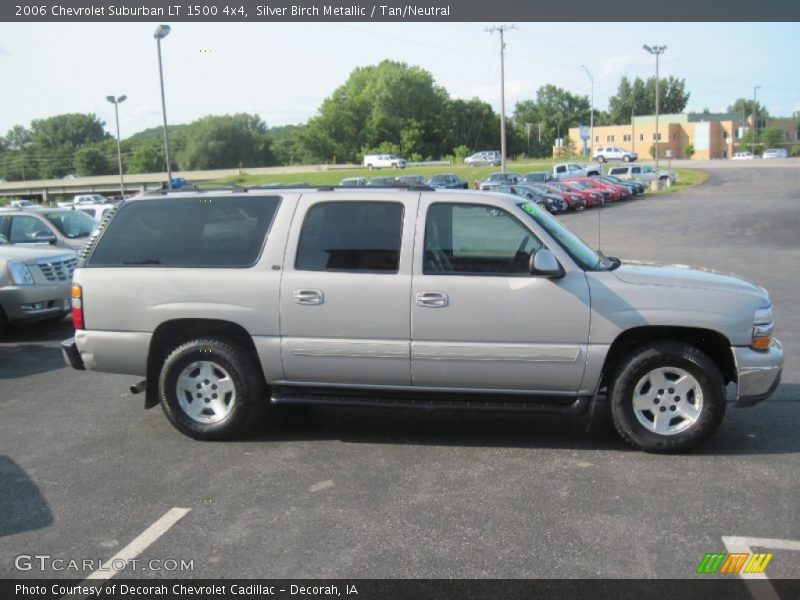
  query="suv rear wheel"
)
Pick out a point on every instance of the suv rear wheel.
point(667, 397)
point(211, 389)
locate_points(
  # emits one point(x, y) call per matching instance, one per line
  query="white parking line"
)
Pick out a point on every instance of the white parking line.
point(120, 560)
point(139, 544)
point(734, 544)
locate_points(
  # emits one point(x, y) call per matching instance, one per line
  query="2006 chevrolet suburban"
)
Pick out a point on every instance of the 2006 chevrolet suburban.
point(227, 301)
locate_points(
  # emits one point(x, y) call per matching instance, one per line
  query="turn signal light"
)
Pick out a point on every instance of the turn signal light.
point(77, 307)
point(761, 343)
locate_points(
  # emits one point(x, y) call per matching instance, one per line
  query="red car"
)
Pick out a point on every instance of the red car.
point(574, 200)
point(592, 198)
point(617, 192)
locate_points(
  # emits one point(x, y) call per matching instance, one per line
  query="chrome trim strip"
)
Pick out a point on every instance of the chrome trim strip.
point(495, 352)
point(347, 348)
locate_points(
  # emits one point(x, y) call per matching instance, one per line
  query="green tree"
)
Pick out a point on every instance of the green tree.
point(17, 138)
point(287, 145)
point(744, 107)
point(688, 151)
point(470, 123)
point(639, 98)
point(219, 142)
point(553, 112)
point(91, 161)
point(772, 137)
point(389, 102)
point(69, 131)
point(146, 158)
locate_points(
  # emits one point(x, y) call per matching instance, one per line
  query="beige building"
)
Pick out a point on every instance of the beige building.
point(713, 135)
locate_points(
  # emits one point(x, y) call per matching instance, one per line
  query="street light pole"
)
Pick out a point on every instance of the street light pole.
point(116, 102)
point(162, 31)
point(591, 118)
point(657, 50)
point(755, 126)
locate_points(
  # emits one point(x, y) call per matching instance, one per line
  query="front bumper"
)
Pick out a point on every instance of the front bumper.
point(35, 302)
point(758, 372)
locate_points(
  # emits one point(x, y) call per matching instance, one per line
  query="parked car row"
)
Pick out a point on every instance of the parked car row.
point(560, 195)
point(440, 180)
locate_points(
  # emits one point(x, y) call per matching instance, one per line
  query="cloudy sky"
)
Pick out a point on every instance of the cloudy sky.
point(283, 71)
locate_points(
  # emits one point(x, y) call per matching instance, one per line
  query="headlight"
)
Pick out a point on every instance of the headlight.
point(19, 273)
point(763, 326)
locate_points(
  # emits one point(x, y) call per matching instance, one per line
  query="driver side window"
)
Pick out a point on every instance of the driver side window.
point(475, 239)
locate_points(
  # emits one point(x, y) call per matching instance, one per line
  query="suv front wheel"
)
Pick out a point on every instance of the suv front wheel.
point(667, 397)
point(211, 389)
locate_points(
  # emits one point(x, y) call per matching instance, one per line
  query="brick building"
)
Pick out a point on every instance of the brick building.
point(713, 135)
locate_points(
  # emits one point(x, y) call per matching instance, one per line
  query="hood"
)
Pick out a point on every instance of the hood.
point(687, 277)
point(25, 254)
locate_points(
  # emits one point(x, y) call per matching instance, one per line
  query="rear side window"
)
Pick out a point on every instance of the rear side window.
point(187, 232)
point(351, 236)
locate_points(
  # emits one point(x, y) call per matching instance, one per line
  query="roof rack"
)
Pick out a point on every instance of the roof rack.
point(296, 186)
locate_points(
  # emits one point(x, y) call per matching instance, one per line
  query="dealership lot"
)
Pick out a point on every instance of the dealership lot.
point(377, 493)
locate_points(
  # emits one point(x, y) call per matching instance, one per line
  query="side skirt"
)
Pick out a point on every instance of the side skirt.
point(428, 400)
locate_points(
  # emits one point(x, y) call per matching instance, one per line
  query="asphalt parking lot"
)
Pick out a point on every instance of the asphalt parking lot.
point(346, 493)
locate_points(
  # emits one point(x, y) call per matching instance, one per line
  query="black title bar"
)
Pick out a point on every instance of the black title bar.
point(393, 11)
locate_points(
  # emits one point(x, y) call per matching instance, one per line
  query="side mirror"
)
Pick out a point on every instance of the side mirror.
point(44, 237)
point(544, 264)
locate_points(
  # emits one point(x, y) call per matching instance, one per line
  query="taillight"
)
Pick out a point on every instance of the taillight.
point(77, 307)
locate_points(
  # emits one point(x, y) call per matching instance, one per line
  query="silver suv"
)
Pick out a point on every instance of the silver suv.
point(61, 227)
point(229, 301)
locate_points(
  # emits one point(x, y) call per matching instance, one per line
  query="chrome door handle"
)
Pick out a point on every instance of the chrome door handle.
point(432, 299)
point(311, 297)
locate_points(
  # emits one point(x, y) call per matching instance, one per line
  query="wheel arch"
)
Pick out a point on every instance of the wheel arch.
point(712, 343)
point(170, 334)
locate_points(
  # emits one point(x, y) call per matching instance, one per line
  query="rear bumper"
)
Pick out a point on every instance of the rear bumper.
point(758, 373)
point(69, 349)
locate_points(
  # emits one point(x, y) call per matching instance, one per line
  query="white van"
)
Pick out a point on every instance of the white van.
point(384, 161)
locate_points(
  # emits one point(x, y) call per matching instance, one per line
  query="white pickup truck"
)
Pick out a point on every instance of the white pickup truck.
point(567, 170)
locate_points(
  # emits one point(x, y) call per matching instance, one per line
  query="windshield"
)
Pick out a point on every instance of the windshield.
point(72, 223)
point(587, 258)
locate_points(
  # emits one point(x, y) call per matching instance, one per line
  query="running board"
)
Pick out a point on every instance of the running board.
point(551, 405)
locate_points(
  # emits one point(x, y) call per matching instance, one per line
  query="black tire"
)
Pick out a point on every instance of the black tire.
point(626, 158)
point(248, 402)
point(669, 354)
point(3, 323)
point(601, 158)
point(370, 167)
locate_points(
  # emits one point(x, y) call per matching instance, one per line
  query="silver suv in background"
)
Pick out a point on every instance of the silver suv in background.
point(61, 227)
point(606, 153)
point(237, 300)
point(34, 283)
point(485, 158)
point(643, 173)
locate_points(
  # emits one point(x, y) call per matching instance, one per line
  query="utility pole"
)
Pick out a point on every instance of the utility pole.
point(528, 134)
point(755, 126)
point(502, 29)
point(591, 118)
point(657, 50)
